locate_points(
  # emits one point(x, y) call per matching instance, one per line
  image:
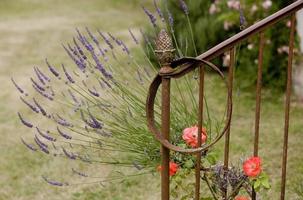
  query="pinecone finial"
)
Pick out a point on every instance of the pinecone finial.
point(164, 48)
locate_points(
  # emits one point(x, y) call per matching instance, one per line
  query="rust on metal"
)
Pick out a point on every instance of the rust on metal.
point(151, 118)
point(200, 125)
point(258, 102)
point(229, 100)
point(165, 54)
point(287, 104)
point(173, 69)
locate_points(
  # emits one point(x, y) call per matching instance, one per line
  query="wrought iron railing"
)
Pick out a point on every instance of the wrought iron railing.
point(176, 69)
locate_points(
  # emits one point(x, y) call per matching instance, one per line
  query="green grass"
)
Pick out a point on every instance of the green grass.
point(32, 30)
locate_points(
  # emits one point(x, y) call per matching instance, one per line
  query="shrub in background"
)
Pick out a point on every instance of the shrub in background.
point(214, 21)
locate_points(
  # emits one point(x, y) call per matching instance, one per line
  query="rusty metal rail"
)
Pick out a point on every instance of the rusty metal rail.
point(176, 69)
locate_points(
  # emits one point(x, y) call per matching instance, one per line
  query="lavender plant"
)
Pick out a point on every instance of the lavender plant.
point(95, 106)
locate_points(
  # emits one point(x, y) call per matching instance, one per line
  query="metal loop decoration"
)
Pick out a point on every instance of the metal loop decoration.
point(176, 73)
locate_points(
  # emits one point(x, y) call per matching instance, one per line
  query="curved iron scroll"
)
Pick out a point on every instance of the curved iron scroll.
point(179, 72)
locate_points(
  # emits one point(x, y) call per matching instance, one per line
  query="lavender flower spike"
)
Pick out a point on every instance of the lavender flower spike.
point(106, 40)
point(29, 146)
point(69, 155)
point(171, 21)
point(46, 136)
point(68, 76)
point(39, 76)
point(40, 107)
point(52, 69)
point(79, 173)
point(40, 143)
point(25, 122)
point(159, 11)
point(152, 18)
point(37, 85)
point(43, 94)
point(18, 88)
point(63, 134)
point(133, 36)
point(42, 74)
point(33, 108)
point(42, 147)
point(54, 183)
point(184, 7)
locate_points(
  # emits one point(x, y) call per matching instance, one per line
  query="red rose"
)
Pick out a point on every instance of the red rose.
point(252, 167)
point(190, 135)
point(173, 168)
point(241, 198)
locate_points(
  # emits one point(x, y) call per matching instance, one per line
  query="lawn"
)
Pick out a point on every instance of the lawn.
point(32, 30)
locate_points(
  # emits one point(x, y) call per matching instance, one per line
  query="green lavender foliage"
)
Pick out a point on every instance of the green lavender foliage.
point(210, 27)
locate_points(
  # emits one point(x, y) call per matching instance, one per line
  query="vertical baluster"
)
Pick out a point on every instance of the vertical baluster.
point(258, 102)
point(287, 104)
point(200, 124)
point(230, 88)
point(165, 119)
point(165, 54)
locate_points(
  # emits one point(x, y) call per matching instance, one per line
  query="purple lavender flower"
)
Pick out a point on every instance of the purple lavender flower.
point(63, 134)
point(151, 17)
point(160, 13)
point(137, 165)
point(69, 155)
point(52, 69)
point(18, 88)
point(95, 41)
point(49, 97)
point(63, 122)
point(133, 36)
point(41, 88)
point(40, 143)
point(106, 40)
point(79, 173)
point(78, 47)
point(43, 75)
point(139, 76)
point(24, 122)
point(68, 76)
point(29, 146)
point(39, 76)
point(73, 96)
point(42, 147)
point(54, 183)
point(184, 7)
point(94, 92)
point(79, 63)
point(84, 41)
point(101, 68)
point(124, 48)
point(93, 122)
point(45, 135)
point(32, 107)
point(242, 19)
point(171, 21)
point(40, 107)
point(106, 83)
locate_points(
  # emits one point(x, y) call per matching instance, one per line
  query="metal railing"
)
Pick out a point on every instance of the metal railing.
point(179, 68)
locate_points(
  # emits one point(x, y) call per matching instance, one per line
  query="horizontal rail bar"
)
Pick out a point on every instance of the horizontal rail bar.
point(256, 28)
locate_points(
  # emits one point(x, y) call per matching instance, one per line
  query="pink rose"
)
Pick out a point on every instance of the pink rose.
point(190, 136)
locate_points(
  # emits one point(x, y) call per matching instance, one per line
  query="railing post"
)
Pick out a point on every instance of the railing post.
point(165, 54)
point(287, 104)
